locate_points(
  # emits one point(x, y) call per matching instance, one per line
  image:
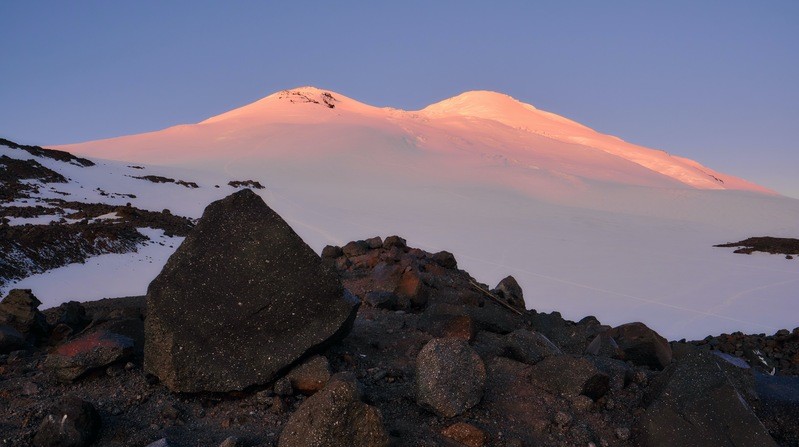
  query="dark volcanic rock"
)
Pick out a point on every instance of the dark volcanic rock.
point(450, 377)
point(10, 339)
point(779, 406)
point(529, 347)
point(335, 416)
point(695, 404)
point(570, 376)
point(311, 376)
point(510, 290)
point(20, 310)
point(71, 423)
point(95, 350)
point(642, 345)
point(240, 300)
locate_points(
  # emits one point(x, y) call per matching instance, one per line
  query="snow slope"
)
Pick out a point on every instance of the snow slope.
point(588, 224)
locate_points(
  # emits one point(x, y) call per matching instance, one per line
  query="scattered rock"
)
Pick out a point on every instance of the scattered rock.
point(569, 376)
point(394, 241)
point(694, 403)
point(466, 434)
point(240, 285)
point(450, 377)
point(605, 346)
point(445, 259)
point(20, 310)
point(311, 376)
point(335, 416)
point(510, 291)
point(529, 346)
point(355, 248)
point(95, 350)
point(10, 339)
point(642, 345)
point(231, 441)
point(71, 423)
point(283, 387)
point(332, 252)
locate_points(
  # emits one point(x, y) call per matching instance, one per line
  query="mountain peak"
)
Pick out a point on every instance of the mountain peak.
point(478, 103)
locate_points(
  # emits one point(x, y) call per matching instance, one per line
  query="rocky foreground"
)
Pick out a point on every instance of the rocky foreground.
point(247, 338)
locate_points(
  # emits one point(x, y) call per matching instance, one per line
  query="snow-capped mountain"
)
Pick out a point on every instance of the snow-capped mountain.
point(588, 223)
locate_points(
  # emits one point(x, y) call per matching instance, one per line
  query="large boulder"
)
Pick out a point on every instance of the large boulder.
point(241, 299)
point(20, 310)
point(641, 345)
point(72, 422)
point(509, 290)
point(450, 377)
point(529, 346)
point(335, 416)
point(694, 403)
point(569, 376)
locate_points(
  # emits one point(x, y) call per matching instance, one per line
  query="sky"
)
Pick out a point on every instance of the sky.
point(715, 81)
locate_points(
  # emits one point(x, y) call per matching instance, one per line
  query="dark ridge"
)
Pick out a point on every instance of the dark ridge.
point(14, 171)
point(160, 179)
point(245, 184)
point(39, 151)
point(766, 244)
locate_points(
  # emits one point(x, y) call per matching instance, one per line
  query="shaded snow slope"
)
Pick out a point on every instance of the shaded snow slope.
point(587, 223)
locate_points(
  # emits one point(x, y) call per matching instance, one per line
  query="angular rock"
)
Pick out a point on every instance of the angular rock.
point(394, 241)
point(20, 310)
point(355, 248)
point(510, 290)
point(231, 441)
point(10, 339)
point(450, 377)
point(529, 346)
point(73, 315)
point(95, 350)
point(445, 259)
point(335, 416)
point(603, 345)
point(569, 376)
point(384, 300)
point(466, 434)
point(374, 242)
point(332, 251)
point(412, 288)
point(241, 299)
point(311, 376)
point(444, 325)
point(695, 404)
point(71, 423)
point(642, 345)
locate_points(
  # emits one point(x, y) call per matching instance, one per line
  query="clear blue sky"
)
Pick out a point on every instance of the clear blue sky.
point(715, 81)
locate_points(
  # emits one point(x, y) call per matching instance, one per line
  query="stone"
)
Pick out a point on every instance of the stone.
point(73, 315)
point(332, 252)
point(529, 346)
point(445, 259)
point(10, 339)
point(383, 300)
point(241, 299)
point(311, 376)
point(778, 407)
point(95, 350)
point(163, 442)
point(450, 377)
point(569, 376)
point(394, 241)
point(20, 310)
point(466, 434)
point(693, 403)
point(230, 441)
point(374, 243)
point(447, 325)
point(412, 288)
point(335, 416)
point(642, 346)
point(355, 248)
point(510, 291)
point(72, 422)
point(283, 387)
point(604, 345)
